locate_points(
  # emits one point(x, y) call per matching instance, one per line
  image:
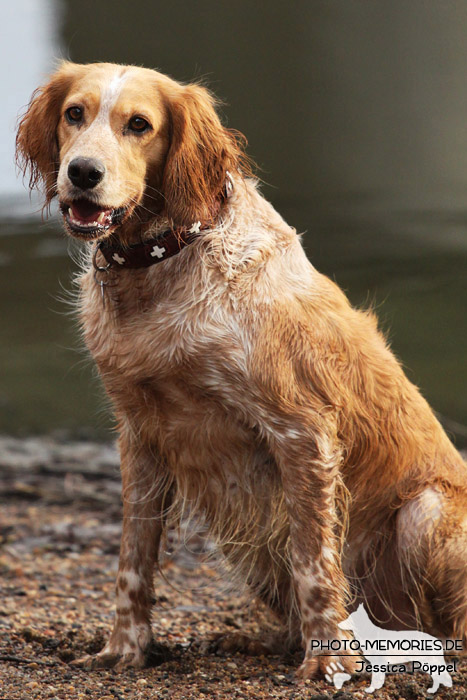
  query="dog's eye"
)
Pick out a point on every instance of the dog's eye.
point(74, 115)
point(138, 124)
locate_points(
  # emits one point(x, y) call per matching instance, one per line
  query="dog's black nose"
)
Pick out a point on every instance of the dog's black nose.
point(86, 172)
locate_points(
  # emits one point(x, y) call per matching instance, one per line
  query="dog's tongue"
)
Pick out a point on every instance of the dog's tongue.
point(85, 211)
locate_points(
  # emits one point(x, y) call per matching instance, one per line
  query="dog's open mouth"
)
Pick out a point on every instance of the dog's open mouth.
point(87, 219)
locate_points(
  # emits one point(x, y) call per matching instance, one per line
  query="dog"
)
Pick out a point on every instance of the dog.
point(245, 386)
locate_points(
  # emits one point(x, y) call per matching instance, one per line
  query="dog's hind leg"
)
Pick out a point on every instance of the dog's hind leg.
point(432, 545)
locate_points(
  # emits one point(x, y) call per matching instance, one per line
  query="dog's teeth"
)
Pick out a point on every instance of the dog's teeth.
point(99, 221)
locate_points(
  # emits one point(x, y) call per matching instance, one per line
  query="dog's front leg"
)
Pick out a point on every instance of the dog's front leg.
point(145, 494)
point(309, 463)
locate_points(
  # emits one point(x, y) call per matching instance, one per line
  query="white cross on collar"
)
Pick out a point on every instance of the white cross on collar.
point(195, 228)
point(118, 259)
point(157, 252)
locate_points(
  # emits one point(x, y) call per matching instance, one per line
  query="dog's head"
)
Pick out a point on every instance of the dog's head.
point(115, 142)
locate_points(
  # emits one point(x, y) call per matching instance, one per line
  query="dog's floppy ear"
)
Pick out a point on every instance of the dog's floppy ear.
point(201, 151)
point(36, 140)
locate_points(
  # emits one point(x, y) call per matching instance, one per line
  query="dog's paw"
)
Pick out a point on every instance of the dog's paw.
point(108, 659)
point(124, 651)
point(314, 666)
point(121, 659)
point(336, 675)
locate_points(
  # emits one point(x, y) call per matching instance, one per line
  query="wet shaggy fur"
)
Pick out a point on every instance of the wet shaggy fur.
point(244, 384)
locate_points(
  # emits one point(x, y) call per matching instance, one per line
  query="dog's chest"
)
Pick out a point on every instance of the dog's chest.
point(149, 322)
point(178, 372)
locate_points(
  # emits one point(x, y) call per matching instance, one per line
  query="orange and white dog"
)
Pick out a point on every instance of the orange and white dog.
point(244, 384)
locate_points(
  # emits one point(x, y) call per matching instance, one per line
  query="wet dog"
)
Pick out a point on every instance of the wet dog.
point(244, 384)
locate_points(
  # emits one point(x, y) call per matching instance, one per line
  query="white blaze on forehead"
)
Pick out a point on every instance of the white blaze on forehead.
point(110, 93)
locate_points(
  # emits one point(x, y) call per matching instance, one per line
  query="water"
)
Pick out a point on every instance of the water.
point(356, 113)
point(47, 383)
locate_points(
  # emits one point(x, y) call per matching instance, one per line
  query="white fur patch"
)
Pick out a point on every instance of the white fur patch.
point(110, 94)
point(132, 578)
point(417, 517)
point(307, 578)
point(123, 600)
point(328, 554)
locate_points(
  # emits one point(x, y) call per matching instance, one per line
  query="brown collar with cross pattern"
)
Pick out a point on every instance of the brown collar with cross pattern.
point(157, 249)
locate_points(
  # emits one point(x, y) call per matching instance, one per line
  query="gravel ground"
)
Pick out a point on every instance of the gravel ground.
point(59, 538)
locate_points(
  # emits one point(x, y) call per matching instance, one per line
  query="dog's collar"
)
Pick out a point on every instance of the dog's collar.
point(157, 249)
point(148, 253)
